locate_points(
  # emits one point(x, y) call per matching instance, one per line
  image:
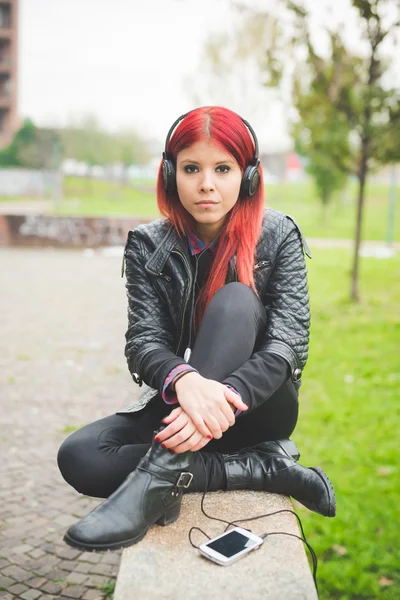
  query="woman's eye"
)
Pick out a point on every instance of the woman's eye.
point(223, 169)
point(190, 169)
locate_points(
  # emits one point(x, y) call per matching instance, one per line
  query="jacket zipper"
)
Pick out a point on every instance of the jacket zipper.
point(123, 261)
point(137, 377)
point(187, 295)
point(260, 265)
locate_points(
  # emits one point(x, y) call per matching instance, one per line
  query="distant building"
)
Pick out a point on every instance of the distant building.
point(294, 168)
point(285, 166)
point(8, 70)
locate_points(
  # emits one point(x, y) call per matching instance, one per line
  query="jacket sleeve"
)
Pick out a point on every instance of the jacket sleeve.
point(150, 342)
point(286, 302)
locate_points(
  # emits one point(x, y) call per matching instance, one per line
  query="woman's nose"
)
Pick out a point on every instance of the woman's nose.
point(207, 181)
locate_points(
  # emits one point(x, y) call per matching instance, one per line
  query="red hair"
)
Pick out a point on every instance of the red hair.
point(242, 232)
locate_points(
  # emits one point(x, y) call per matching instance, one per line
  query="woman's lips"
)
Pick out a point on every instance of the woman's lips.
point(206, 203)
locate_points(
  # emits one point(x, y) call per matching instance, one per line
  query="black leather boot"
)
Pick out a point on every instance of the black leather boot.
point(151, 494)
point(270, 467)
point(209, 470)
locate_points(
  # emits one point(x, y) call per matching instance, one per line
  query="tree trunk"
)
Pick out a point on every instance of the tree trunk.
point(354, 293)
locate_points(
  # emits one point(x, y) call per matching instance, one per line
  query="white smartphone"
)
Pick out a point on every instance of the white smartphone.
point(230, 546)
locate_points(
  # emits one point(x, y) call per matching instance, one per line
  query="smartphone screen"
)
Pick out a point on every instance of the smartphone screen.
point(231, 543)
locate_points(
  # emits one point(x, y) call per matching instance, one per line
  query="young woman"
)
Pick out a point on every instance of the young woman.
point(218, 331)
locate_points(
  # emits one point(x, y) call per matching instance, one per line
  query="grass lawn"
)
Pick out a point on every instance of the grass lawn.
point(349, 425)
point(83, 197)
point(300, 200)
point(99, 198)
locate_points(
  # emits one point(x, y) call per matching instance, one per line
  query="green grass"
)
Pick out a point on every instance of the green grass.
point(349, 425)
point(300, 200)
point(84, 197)
point(16, 200)
point(108, 589)
point(70, 428)
point(96, 198)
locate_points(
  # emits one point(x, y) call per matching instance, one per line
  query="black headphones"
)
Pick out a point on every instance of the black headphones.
point(251, 175)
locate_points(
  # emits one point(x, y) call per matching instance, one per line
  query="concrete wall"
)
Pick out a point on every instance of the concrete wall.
point(67, 232)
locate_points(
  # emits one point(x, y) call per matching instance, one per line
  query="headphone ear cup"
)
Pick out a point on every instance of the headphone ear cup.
point(250, 181)
point(169, 176)
point(254, 181)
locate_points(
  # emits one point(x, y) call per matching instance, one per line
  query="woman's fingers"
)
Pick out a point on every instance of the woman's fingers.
point(209, 426)
point(228, 413)
point(235, 399)
point(214, 426)
point(172, 415)
point(181, 436)
point(203, 442)
point(225, 419)
point(203, 427)
point(173, 428)
point(190, 443)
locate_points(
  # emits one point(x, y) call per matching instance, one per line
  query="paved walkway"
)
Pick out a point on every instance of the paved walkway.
point(62, 324)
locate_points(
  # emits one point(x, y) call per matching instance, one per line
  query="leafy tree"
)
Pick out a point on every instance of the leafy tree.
point(131, 149)
point(33, 147)
point(366, 107)
point(347, 105)
point(321, 132)
point(88, 142)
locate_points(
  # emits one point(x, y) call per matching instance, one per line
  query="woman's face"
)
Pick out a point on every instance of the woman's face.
point(208, 181)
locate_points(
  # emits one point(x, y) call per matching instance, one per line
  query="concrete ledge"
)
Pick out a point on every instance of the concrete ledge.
point(165, 566)
point(34, 230)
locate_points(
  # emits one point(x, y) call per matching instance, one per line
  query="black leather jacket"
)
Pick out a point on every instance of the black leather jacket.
point(159, 281)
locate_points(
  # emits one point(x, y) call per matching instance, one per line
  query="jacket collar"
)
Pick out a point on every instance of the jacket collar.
point(171, 242)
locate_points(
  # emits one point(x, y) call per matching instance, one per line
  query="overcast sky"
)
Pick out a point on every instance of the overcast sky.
point(126, 61)
point(123, 60)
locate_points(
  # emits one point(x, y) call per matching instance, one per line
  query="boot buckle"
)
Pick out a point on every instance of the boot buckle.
point(185, 479)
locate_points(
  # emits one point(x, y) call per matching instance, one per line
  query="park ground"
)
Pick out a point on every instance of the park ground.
point(63, 321)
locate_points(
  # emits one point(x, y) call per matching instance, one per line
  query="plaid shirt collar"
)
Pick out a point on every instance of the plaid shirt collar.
point(196, 245)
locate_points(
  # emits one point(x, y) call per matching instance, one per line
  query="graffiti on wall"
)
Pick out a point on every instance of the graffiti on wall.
point(42, 230)
point(73, 231)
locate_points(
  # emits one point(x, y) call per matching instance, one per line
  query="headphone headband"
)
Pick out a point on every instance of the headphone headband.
point(179, 119)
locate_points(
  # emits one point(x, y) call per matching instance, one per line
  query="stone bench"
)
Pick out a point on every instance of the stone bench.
point(164, 565)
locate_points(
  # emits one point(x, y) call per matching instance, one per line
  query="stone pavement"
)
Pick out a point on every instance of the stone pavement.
point(62, 325)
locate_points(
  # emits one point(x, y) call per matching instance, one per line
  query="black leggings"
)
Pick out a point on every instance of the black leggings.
point(96, 459)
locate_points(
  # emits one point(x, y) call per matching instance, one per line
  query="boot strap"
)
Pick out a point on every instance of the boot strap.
point(243, 473)
point(183, 481)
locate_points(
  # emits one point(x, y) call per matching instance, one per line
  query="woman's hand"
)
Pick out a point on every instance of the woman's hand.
point(208, 403)
point(181, 434)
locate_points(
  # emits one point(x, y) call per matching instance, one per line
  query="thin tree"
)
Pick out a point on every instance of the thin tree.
point(348, 107)
point(365, 103)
